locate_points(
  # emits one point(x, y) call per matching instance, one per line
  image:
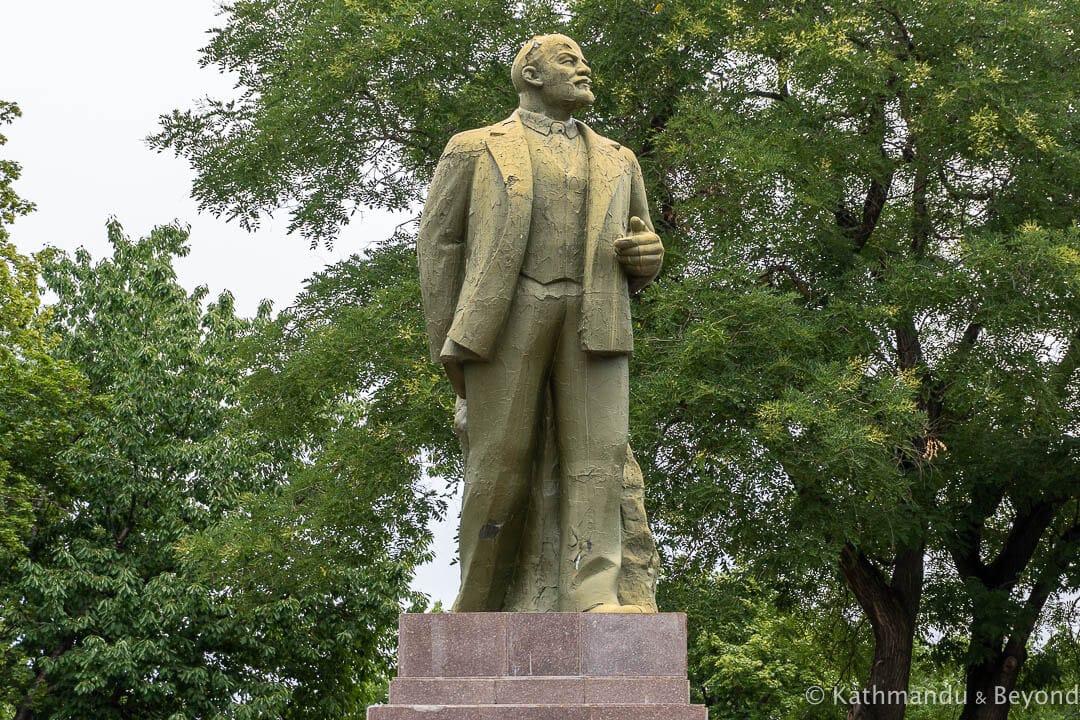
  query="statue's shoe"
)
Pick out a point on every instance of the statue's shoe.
point(616, 608)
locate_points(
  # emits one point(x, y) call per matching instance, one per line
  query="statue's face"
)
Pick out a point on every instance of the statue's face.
point(565, 75)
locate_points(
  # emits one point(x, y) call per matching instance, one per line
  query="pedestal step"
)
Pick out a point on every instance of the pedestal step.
point(538, 712)
point(539, 691)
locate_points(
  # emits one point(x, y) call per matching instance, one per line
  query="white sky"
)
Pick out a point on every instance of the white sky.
point(91, 80)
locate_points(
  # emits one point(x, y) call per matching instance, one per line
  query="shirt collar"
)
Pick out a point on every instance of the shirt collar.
point(543, 124)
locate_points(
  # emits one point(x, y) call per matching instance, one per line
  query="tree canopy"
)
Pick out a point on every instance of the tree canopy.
point(168, 572)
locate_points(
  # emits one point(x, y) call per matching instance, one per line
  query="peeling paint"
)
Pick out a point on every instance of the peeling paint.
point(490, 530)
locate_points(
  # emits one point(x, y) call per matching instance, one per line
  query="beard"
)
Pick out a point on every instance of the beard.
point(569, 96)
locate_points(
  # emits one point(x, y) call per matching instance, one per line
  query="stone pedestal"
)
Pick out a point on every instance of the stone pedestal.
point(540, 666)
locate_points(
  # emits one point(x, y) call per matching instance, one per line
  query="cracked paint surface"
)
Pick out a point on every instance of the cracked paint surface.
point(525, 278)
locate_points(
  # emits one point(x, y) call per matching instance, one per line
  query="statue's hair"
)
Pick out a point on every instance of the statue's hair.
point(527, 55)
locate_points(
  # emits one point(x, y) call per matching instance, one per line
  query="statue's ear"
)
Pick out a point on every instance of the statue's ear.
point(531, 75)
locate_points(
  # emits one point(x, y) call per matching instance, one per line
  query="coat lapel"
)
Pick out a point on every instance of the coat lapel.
point(605, 173)
point(506, 143)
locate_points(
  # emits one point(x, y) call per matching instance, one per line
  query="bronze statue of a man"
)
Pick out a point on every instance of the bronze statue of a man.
point(535, 232)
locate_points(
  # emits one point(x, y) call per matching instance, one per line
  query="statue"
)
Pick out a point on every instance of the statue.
point(535, 232)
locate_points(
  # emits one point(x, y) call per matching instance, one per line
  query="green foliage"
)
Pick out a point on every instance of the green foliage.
point(332, 540)
point(878, 306)
point(42, 405)
point(11, 205)
point(144, 590)
point(750, 657)
point(41, 398)
point(99, 607)
point(814, 115)
point(355, 337)
point(343, 103)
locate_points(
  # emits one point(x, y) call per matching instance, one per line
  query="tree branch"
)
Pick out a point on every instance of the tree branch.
point(1062, 556)
point(921, 227)
point(25, 710)
point(904, 34)
point(1070, 360)
point(882, 603)
point(801, 285)
point(128, 525)
point(971, 336)
point(965, 546)
point(1020, 545)
point(874, 202)
point(958, 194)
point(768, 94)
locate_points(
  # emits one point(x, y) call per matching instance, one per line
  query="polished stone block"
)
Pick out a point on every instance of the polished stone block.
point(424, 712)
point(539, 690)
point(543, 643)
point(650, 645)
point(452, 645)
point(648, 712)
point(442, 691)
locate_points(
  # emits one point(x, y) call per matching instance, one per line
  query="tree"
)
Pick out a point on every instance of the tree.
point(909, 184)
point(121, 607)
point(334, 536)
point(32, 396)
point(43, 405)
point(108, 623)
point(750, 656)
point(42, 401)
point(860, 355)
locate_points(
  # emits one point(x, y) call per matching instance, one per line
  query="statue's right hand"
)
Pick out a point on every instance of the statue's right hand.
point(455, 371)
point(453, 357)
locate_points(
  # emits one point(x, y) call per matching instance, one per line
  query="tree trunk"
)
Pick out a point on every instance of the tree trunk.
point(883, 697)
point(891, 608)
point(989, 684)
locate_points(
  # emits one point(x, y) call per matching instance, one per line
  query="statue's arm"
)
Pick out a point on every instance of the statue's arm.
point(441, 243)
point(639, 208)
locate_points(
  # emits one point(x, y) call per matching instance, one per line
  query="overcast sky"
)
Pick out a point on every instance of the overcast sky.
point(91, 80)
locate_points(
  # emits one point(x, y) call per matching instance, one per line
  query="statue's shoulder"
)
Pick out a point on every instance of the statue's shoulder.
point(625, 152)
point(628, 155)
point(604, 139)
point(469, 142)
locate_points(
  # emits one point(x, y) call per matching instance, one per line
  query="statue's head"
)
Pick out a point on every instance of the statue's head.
point(551, 71)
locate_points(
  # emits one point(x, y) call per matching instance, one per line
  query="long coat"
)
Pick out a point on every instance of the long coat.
point(475, 230)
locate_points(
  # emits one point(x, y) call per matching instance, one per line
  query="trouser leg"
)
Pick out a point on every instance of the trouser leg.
point(504, 400)
point(591, 395)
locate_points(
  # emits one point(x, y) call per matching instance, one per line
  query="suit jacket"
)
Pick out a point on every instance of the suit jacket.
point(474, 233)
